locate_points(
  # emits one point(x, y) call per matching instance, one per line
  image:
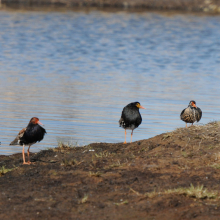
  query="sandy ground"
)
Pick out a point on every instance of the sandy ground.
point(174, 175)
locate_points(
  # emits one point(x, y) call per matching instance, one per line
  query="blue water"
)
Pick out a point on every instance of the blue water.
point(77, 70)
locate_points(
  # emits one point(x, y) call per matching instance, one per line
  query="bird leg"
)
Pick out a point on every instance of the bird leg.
point(24, 155)
point(186, 125)
point(131, 135)
point(28, 152)
point(125, 137)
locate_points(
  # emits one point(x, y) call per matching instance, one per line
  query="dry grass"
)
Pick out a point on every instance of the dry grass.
point(71, 162)
point(63, 147)
point(121, 203)
point(103, 154)
point(116, 164)
point(84, 199)
point(215, 165)
point(196, 192)
point(97, 174)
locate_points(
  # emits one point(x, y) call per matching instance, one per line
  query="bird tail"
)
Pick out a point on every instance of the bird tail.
point(15, 142)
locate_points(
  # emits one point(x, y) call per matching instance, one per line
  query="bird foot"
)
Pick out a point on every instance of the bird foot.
point(125, 142)
point(28, 163)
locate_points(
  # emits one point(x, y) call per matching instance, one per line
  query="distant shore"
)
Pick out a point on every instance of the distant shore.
point(207, 6)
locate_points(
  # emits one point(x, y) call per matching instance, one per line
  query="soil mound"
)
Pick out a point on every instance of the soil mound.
point(174, 175)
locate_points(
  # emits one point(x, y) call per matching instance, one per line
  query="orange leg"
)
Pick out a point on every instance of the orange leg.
point(125, 137)
point(24, 156)
point(28, 152)
point(131, 135)
point(186, 125)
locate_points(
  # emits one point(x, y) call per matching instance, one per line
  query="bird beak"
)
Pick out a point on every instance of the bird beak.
point(194, 105)
point(40, 123)
point(141, 107)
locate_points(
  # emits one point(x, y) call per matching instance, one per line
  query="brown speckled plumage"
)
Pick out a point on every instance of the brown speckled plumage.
point(191, 114)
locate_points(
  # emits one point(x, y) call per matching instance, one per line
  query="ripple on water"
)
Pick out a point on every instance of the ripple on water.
point(76, 71)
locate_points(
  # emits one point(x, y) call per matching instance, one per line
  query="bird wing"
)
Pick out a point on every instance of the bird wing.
point(120, 121)
point(182, 113)
point(198, 114)
point(19, 136)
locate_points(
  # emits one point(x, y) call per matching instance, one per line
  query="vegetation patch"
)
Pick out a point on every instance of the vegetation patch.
point(64, 147)
point(196, 192)
point(121, 203)
point(84, 199)
point(4, 170)
point(118, 181)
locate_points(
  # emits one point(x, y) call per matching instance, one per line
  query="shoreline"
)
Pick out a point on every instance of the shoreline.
point(202, 6)
point(173, 175)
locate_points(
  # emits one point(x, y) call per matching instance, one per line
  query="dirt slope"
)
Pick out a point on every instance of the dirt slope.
point(171, 176)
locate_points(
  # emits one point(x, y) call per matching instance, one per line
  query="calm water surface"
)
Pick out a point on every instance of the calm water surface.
point(77, 70)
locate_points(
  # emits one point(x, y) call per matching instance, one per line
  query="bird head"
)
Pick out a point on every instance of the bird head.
point(193, 103)
point(35, 121)
point(137, 104)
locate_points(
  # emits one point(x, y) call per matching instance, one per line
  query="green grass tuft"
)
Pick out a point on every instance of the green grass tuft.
point(3, 170)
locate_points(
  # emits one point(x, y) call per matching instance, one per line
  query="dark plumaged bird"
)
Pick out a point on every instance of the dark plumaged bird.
point(33, 133)
point(191, 114)
point(130, 117)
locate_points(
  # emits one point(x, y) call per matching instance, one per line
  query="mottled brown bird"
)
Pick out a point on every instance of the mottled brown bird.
point(33, 133)
point(191, 114)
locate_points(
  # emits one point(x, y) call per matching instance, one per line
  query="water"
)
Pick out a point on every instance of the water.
point(77, 70)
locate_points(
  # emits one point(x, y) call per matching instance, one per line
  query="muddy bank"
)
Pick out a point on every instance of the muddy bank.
point(212, 6)
point(171, 176)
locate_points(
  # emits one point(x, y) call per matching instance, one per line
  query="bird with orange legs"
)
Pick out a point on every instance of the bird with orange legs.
point(130, 117)
point(33, 133)
point(191, 114)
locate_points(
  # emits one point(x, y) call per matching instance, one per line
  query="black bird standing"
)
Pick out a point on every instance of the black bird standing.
point(30, 135)
point(191, 114)
point(130, 117)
